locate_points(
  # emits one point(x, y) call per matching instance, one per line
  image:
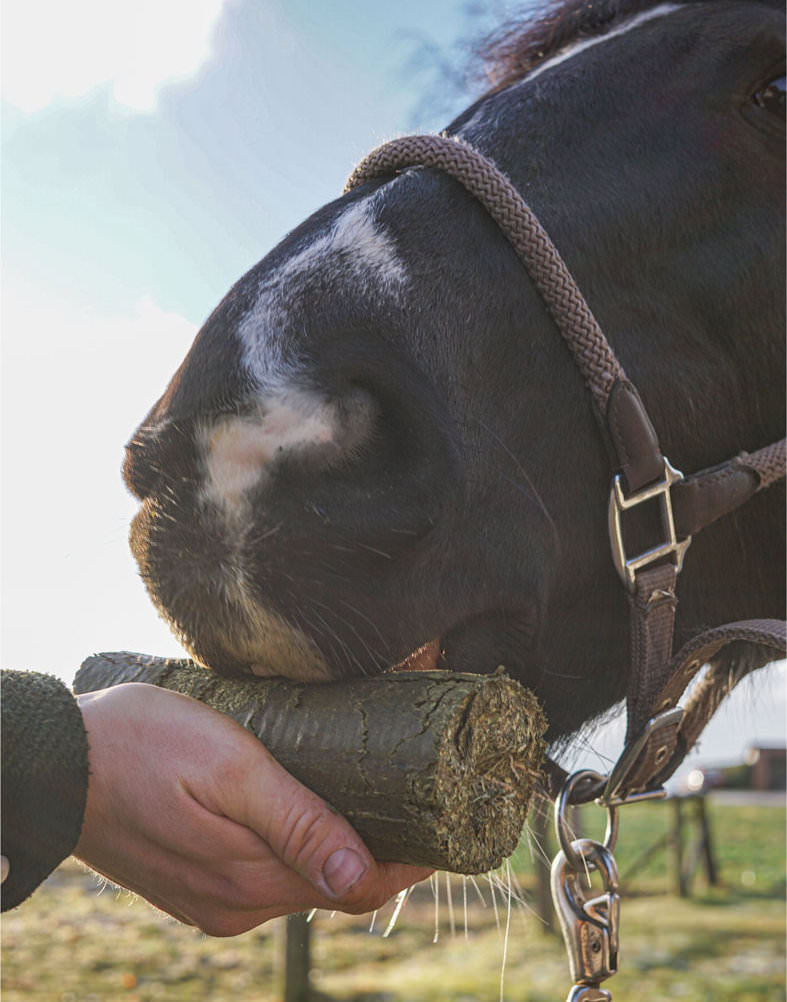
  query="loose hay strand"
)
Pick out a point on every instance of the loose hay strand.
point(401, 897)
point(434, 879)
point(506, 935)
point(481, 897)
point(494, 901)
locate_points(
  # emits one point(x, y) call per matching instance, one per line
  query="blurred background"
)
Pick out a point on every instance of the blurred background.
point(153, 151)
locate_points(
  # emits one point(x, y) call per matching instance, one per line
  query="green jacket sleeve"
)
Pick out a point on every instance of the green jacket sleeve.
point(44, 779)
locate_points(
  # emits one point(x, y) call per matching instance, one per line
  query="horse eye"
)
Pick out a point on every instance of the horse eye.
point(771, 97)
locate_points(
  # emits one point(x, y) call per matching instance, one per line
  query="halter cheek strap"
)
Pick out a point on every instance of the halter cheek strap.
point(659, 733)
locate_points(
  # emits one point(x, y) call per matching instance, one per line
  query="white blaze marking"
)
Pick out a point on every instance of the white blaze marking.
point(355, 242)
point(355, 255)
point(238, 450)
point(574, 49)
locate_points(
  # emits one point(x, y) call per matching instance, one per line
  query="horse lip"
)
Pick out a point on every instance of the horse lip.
point(424, 658)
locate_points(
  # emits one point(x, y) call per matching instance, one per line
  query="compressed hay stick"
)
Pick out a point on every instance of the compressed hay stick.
point(433, 768)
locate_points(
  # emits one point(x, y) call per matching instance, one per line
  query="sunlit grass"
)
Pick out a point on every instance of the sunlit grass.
point(70, 943)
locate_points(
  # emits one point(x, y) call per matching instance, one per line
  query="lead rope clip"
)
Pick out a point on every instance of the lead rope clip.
point(589, 921)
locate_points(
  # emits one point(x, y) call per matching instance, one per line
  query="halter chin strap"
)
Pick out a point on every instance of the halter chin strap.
point(659, 733)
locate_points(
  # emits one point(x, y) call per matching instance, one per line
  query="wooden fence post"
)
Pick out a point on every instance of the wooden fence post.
point(700, 849)
point(711, 869)
point(297, 959)
point(541, 822)
point(677, 848)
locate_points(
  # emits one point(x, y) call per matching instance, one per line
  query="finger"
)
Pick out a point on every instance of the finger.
point(314, 841)
point(395, 877)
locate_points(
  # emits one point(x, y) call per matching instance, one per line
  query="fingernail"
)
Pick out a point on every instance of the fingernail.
point(342, 871)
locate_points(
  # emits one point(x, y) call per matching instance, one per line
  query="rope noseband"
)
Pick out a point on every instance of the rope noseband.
point(659, 733)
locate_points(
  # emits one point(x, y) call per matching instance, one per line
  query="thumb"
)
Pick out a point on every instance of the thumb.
point(320, 845)
point(305, 832)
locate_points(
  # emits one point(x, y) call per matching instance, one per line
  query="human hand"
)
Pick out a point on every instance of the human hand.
point(189, 810)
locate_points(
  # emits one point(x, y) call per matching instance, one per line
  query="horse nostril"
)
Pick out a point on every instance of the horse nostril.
point(139, 475)
point(159, 454)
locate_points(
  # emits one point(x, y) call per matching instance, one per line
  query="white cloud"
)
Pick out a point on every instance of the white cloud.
point(76, 381)
point(63, 49)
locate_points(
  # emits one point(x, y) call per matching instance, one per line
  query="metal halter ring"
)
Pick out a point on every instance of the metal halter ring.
point(562, 803)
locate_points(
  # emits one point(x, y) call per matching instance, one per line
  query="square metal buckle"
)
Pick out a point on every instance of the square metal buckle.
point(626, 566)
point(618, 790)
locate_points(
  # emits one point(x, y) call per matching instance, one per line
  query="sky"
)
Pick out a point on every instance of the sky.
point(153, 151)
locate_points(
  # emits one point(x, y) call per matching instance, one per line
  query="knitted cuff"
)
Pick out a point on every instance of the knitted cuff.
point(44, 779)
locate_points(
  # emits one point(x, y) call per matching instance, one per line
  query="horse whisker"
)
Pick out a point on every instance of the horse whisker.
point(534, 492)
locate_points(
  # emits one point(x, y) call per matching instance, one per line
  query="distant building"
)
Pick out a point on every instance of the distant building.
point(763, 768)
point(768, 768)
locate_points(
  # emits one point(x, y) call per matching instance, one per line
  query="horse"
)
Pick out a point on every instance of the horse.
point(378, 452)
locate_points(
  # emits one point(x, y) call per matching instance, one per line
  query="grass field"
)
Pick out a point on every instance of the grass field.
point(74, 943)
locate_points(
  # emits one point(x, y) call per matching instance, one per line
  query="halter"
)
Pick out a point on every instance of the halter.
point(659, 732)
point(659, 735)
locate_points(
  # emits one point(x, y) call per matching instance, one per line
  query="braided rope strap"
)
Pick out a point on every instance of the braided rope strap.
point(570, 311)
point(769, 463)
